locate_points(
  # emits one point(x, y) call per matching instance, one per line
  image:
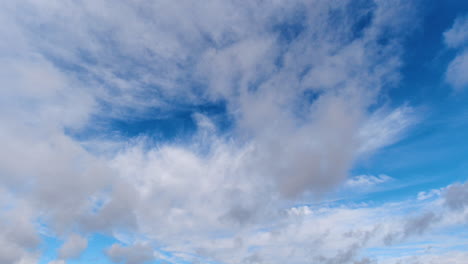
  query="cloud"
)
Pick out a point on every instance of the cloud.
point(429, 194)
point(366, 181)
point(13, 254)
point(57, 262)
point(19, 239)
point(456, 70)
point(300, 106)
point(457, 35)
point(365, 261)
point(135, 254)
point(456, 196)
point(73, 247)
point(420, 224)
point(457, 38)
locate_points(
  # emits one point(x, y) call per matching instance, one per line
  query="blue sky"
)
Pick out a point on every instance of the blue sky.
point(302, 131)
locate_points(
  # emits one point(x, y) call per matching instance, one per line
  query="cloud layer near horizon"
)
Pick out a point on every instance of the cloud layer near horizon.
point(300, 81)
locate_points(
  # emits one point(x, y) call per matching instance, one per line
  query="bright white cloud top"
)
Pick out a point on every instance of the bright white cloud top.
point(226, 132)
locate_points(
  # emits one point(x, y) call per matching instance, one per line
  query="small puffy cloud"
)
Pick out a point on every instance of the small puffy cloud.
point(365, 261)
point(138, 253)
point(57, 262)
point(424, 195)
point(456, 196)
point(300, 211)
point(10, 253)
point(73, 247)
point(365, 181)
point(457, 36)
point(19, 238)
point(456, 74)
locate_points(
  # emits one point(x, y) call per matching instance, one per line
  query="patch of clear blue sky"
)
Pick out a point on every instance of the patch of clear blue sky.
point(48, 249)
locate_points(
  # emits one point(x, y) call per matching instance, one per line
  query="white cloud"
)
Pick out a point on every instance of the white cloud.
point(19, 239)
point(366, 181)
point(135, 254)
point(386, 127)
point(457, 37)
point(456, 71)
point(428, 195)
point(300, 121)
point(456, 196)
point(73, 247)
point(57, 262)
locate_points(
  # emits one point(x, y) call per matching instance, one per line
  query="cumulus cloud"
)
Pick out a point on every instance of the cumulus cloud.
point(135, 254)
point(386, 127)
point(428, 194)
point(73, 247)
point(457, 37)
point(19, 239)
point(420, 223)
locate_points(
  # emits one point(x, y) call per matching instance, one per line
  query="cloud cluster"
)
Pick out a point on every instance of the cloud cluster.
point(457, 38)
point(300, 80)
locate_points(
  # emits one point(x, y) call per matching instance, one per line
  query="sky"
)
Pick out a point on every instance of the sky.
point(233, 132)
